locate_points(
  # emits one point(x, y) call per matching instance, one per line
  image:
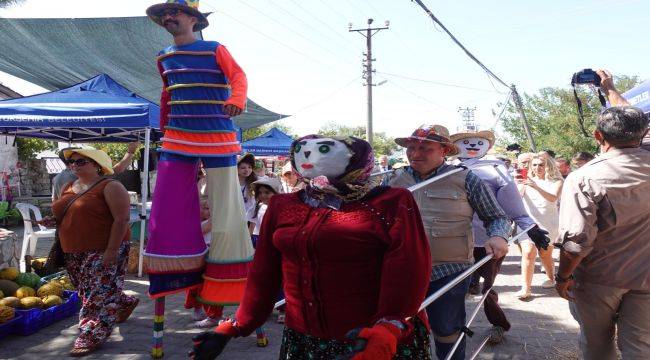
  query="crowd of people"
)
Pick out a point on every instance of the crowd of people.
point(354, 247)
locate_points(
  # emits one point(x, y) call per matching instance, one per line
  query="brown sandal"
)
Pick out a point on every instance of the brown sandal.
point(124, 313)
point(82, 351)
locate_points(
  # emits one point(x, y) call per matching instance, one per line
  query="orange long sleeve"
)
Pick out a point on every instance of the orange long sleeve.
point(236, 77)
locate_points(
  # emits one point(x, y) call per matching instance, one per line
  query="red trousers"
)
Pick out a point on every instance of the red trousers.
point(212, 311)
point(488, 272)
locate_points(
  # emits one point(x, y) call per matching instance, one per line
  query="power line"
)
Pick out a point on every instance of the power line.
point(310, 41)
point(439, 83)
point(332, 94)
point(400, 87)
point(453, 38)
point(345, 40)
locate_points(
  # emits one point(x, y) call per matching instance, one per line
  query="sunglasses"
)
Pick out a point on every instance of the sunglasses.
point(171, 12)
point(78, 162)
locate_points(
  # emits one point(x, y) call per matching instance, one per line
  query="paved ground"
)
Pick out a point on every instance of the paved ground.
point(542, 328)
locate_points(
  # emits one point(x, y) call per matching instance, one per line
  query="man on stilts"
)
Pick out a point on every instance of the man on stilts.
point(203, 87)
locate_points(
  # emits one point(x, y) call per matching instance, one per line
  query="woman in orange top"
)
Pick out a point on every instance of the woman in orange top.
point(94, 236)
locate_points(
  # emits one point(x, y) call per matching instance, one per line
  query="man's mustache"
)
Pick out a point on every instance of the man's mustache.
point(170, 22)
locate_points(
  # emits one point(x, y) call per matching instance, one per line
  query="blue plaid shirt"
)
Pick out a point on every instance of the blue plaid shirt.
point(485, 205)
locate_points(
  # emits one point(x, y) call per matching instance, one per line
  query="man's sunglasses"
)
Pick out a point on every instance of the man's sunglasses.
point(171, 12)
point(78, 162)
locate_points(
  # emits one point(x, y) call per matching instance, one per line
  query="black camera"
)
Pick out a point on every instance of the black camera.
point(586, 76)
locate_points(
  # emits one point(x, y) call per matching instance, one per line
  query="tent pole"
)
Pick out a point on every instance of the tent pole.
point(144, 194)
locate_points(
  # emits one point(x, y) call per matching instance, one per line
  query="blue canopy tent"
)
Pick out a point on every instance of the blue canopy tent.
point(96, 110)
point(639, 96)
point(273, 142)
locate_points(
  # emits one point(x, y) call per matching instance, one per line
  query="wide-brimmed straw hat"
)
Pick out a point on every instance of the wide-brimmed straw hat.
point(190, 7)
point(98, 156)
point(273, 183)
point(485, 134)
point(433, 133)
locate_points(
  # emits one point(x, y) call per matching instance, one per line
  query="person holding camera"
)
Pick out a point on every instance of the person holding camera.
point(603, 228)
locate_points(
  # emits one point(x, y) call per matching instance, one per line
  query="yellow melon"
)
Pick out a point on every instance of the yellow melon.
point(52, 300)
point(6, 313)
point(31, 302)
point(10, 301)
point(50, 289)
point(10, 273)
point(24, 292)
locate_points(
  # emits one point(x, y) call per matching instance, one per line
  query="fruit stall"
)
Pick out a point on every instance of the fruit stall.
point(29, 303)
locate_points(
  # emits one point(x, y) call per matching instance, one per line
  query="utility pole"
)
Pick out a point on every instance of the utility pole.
point(367, 68)
point(468, 123)
point(522, 116)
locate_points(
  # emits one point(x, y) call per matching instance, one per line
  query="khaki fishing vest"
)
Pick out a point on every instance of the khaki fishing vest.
point(446, 214)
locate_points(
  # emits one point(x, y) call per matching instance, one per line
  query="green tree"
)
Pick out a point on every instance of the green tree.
point(553, 119)
point(28, 148)
point(115, 150)
point(381, 143)
point(252, 133)
point(8, 3)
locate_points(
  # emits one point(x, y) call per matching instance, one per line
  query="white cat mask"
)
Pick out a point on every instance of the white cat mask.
point(321, 157)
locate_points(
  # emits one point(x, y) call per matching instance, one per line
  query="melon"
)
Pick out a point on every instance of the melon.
point(24, 292)
point(10, 273)
point(50, 288)
point(6, 313)
point(10, 301)
point(8, 287)
point(28, 279)
point(52, 300)
point(31, 302)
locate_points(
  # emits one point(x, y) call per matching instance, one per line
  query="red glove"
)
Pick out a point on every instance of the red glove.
point(382, 342)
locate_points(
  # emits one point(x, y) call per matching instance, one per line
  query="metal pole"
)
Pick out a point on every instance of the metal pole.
point(369, 85)
point(522, 116)
point(144, 194)
point(467, 324)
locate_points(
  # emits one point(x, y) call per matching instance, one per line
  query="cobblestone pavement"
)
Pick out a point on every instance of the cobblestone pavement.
point(542, 328)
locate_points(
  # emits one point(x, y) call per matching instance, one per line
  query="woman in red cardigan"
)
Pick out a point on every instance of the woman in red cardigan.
point(352, 257)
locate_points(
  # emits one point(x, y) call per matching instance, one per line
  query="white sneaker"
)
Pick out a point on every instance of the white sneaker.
point(207, 323)
point(548, 284)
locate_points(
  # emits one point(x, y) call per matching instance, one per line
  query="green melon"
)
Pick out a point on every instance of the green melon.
point(28, 279)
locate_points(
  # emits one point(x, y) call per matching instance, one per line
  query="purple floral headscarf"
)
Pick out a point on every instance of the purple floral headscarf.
point(353, 184)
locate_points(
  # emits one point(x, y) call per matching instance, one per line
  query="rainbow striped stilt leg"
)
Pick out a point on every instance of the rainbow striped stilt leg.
point(158, 326)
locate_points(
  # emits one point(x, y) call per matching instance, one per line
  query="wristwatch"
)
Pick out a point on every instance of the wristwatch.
point(559, 279)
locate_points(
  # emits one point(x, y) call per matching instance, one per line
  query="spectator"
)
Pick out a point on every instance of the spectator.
point(540, 192)
point(94, 235)
point(67, 175)
point(581, 158)
point(604, 227)
point(290, 180)
point(550, 153)
point(563, 166)
point(246, 177)
point(616, 99)
point(383, 164)
point(447, 208)
point(260, 168)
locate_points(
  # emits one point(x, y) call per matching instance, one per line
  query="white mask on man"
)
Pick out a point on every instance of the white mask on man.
point(321, 157)
point(472, 148)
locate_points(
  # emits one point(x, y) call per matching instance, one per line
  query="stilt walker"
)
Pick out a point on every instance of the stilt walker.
point(202, 88)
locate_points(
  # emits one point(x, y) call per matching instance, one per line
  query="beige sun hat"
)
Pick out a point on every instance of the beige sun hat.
point(98, 156)
point(485, 134)
point(286, 168)
point(433, 133)
point(271, 182)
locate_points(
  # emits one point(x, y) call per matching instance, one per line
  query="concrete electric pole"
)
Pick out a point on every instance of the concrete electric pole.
point(367, 68)
point(522, 116)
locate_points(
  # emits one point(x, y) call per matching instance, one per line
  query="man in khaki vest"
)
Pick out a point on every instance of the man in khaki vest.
point(447, 207)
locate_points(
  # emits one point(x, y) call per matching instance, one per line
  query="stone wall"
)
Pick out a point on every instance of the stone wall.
point(34, 179)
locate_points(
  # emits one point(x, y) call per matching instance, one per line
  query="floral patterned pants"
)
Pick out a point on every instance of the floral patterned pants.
point(100, 290)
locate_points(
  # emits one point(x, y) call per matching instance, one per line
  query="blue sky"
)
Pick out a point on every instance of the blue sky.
point(301, 60)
